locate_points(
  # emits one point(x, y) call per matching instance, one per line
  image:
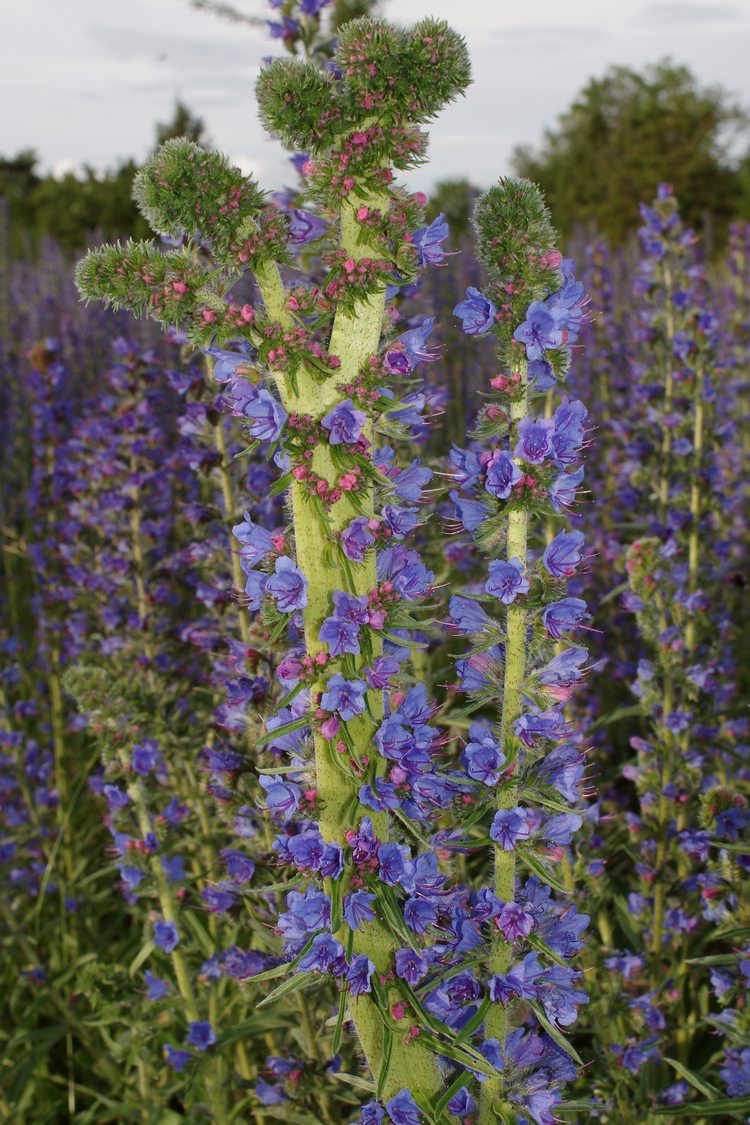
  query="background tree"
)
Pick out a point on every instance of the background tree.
point(626, 132)
point(73, 206)
point(455, 199)
point(183, 124)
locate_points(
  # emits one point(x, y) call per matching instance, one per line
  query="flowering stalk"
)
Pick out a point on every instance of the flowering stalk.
point(518, 480)
point(512, 706)
point(357, 127)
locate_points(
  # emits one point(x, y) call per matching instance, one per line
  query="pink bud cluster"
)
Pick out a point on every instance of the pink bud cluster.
point(358, 390)
point(297, 345)
point(354, 279)
point(328, 494)
point(230, 317)
point(306, 300)
point(379, 601)
point(263, 243)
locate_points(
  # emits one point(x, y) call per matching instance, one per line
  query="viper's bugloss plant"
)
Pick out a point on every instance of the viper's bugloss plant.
point(523, 473)
point(379, 907)
point(671, 887)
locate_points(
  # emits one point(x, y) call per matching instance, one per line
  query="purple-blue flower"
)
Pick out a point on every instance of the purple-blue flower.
point(539, 331)
point(267, 416)
point(482, 755)
point(560, 617)
point(312, 7)
point(344, 422)
point(563, 554)
point(281, 797)
point(217, 900)
point(515, 922)
point(358, 909)
point(507, 580)
point(157, 988)
point(256, 541)
point(359, 975)
point(287, 586)
point(175, 1058)
point(403, 1109)
point(325, 955)
point(509, 827)
point(466, 617)
point(166, 936)
point(535, 440)
point(477, 313)
point(467, 467)
point(568, 432)
point(345, 697)
point(146, 757)
point(201, 1035)
point(356, 538)
point(502, 474)
point(427, 241)
point(406, 351)
point(411, 966)
point(340, 635)
point(305, 226)
point(470, 513)
point(559, 830)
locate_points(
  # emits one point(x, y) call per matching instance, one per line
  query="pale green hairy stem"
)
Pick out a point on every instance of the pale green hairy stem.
point(354, 338)
point(501, 956)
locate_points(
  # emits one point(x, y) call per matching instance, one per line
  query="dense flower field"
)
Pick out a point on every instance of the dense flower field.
point(373, 737)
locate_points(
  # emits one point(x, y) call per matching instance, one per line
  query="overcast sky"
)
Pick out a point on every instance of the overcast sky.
point(84, 81)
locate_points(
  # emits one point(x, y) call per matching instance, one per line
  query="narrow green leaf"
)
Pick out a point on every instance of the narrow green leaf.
point(340, 1017)
point(554, 1032)
point(336, 907)
point(354, 1080)
point(142, 955)
point(278, 732)
point(462, 1080)
point(460, 1054)
point(694, 1079)
point(293, 984)
point(733, 1107)
point(386, 1064)
point(541, 869)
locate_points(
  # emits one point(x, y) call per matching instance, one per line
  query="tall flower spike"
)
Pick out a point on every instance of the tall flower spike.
point(534, 305)
point(358, 128)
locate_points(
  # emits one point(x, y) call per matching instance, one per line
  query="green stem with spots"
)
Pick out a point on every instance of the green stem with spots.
point(355, 337)
point(501, 956)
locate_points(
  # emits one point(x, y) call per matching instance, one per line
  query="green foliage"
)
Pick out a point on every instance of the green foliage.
point(75, 206)
point(345, 10)
point(183, 124)
point(624, 134)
